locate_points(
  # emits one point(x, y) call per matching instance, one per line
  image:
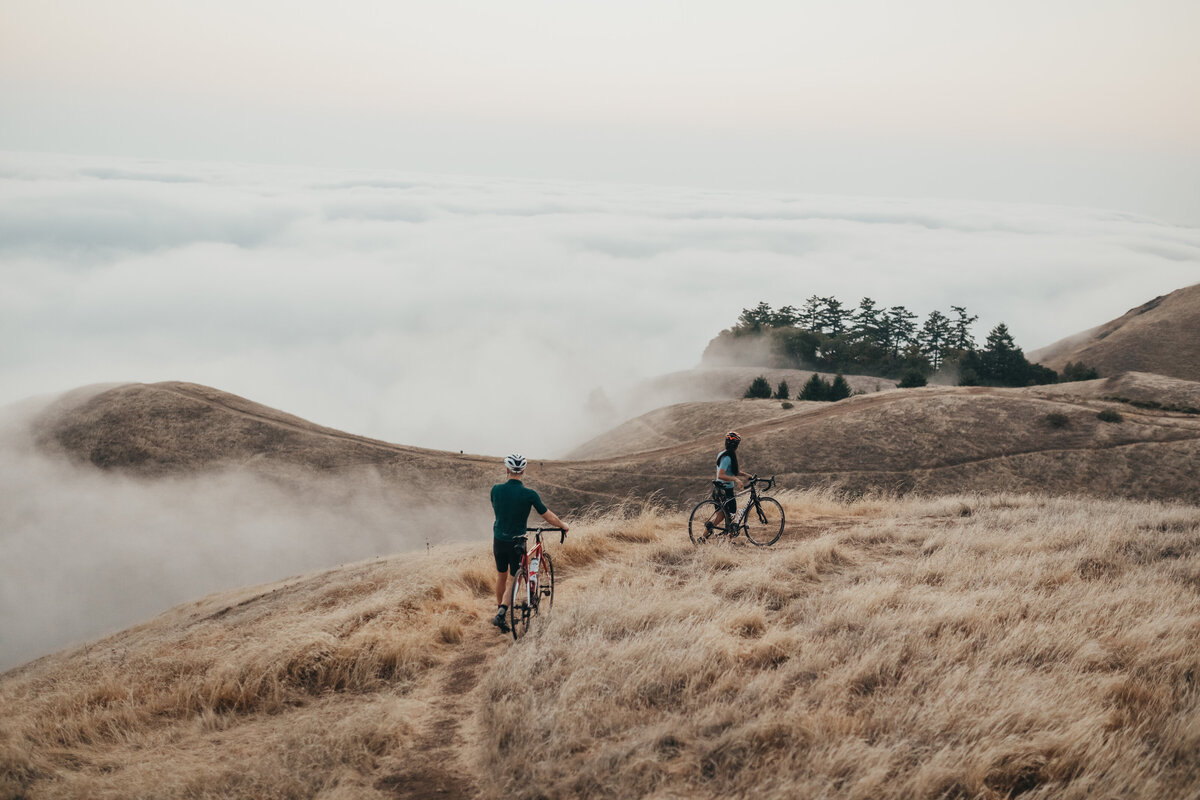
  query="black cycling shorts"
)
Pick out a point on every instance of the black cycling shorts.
point(508, 554)
point(723, 497)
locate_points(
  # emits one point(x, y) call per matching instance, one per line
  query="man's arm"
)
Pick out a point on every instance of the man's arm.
point(553, 519)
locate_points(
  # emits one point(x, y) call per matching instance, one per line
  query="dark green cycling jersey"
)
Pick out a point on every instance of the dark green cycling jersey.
point(511, 501)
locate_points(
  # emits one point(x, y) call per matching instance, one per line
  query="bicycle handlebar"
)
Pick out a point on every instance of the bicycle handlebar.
point(547, 530)
point(766, 482)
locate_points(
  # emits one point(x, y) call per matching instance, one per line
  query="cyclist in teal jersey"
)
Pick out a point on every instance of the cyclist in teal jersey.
point(512, 502)
point(730, 475)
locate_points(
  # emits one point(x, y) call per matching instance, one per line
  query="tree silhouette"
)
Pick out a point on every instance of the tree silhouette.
point(815, 389)
point(934, 337)
point(839, 389)
point(960, 330)
point(759, 388)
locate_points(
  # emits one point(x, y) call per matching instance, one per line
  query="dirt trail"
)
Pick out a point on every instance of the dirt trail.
point(438, 757)
point(437, 761)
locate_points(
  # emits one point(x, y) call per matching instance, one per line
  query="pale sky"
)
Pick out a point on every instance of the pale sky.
point(1077, 102)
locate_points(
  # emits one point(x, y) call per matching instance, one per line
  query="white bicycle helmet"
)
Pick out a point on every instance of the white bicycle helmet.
point(515, 463)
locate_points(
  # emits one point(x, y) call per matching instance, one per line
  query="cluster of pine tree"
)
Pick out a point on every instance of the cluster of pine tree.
point(826, 335)
point(817, 388)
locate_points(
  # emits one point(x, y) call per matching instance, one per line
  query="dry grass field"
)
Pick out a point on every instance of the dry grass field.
point(1161, 336)
point(969, 646)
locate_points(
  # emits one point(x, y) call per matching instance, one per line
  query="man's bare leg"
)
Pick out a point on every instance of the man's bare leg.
point(501, 588)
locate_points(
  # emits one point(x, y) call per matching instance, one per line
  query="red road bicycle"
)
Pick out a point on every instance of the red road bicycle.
point(533, 585)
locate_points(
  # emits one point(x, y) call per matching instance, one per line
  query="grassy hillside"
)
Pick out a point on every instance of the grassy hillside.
point(935, 439)
point(1160, 336)
point(680, 423)
point(967, 646)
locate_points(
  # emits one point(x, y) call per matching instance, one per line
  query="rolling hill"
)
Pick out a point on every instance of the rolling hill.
point(1161, 336)
point(936, 440)
point(932, 440)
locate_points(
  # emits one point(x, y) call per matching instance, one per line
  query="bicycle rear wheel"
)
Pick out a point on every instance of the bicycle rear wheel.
point(546, 584)
point(764, 524)
point(519, 607)
point(701, 514)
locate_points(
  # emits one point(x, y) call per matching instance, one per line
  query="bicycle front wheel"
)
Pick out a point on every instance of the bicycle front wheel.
point(520, 609)
point(546, 583)
point(764, 523)
point(701, 514)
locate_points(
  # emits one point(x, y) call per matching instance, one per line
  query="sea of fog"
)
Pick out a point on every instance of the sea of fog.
point(481, 314)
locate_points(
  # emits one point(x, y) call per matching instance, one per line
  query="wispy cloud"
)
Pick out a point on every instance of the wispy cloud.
point(479, 314)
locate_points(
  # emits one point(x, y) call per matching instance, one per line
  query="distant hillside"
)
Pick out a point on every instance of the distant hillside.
point(932, 440)
point(1161, 336)
point(175, 428)
point(680, 423)
point(709, 383)
point(936, 439)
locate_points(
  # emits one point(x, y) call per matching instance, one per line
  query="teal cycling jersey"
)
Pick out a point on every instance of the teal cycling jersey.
point(726, 464)
point(512, 501)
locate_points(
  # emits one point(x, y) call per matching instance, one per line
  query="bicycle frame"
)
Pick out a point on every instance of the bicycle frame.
point(739, 518)
point(529, 565)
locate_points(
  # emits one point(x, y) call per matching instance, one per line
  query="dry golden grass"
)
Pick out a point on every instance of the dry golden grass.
point(1159, 336)
point(966, 646)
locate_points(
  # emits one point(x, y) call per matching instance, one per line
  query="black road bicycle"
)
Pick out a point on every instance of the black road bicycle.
point(760, 518)
point(533, 585)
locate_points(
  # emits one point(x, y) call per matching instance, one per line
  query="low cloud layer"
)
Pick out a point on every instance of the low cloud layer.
point(87, 552)
point(480, 314)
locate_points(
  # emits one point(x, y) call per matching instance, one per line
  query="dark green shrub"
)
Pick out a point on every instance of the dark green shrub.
point(782, 392)
point(912, 379)
point(839, 389)
point(759, 388)
point(1078, 371)
point(1057, 420)
point(1110, 415)
point(786, 405)
point(815, 389)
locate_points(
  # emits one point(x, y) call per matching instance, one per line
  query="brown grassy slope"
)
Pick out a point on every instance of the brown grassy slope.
point(1140, 389)
point(1161, 336)
point(680, 423)
point(970, 646)
point(942, 440)
point(932, 440)
point(175, 428)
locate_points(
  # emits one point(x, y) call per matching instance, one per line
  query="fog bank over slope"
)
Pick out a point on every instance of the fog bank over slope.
point(88, 551)
point(480, 314)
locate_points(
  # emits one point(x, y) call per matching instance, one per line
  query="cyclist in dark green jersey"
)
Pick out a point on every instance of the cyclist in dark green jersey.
point(512, 502)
